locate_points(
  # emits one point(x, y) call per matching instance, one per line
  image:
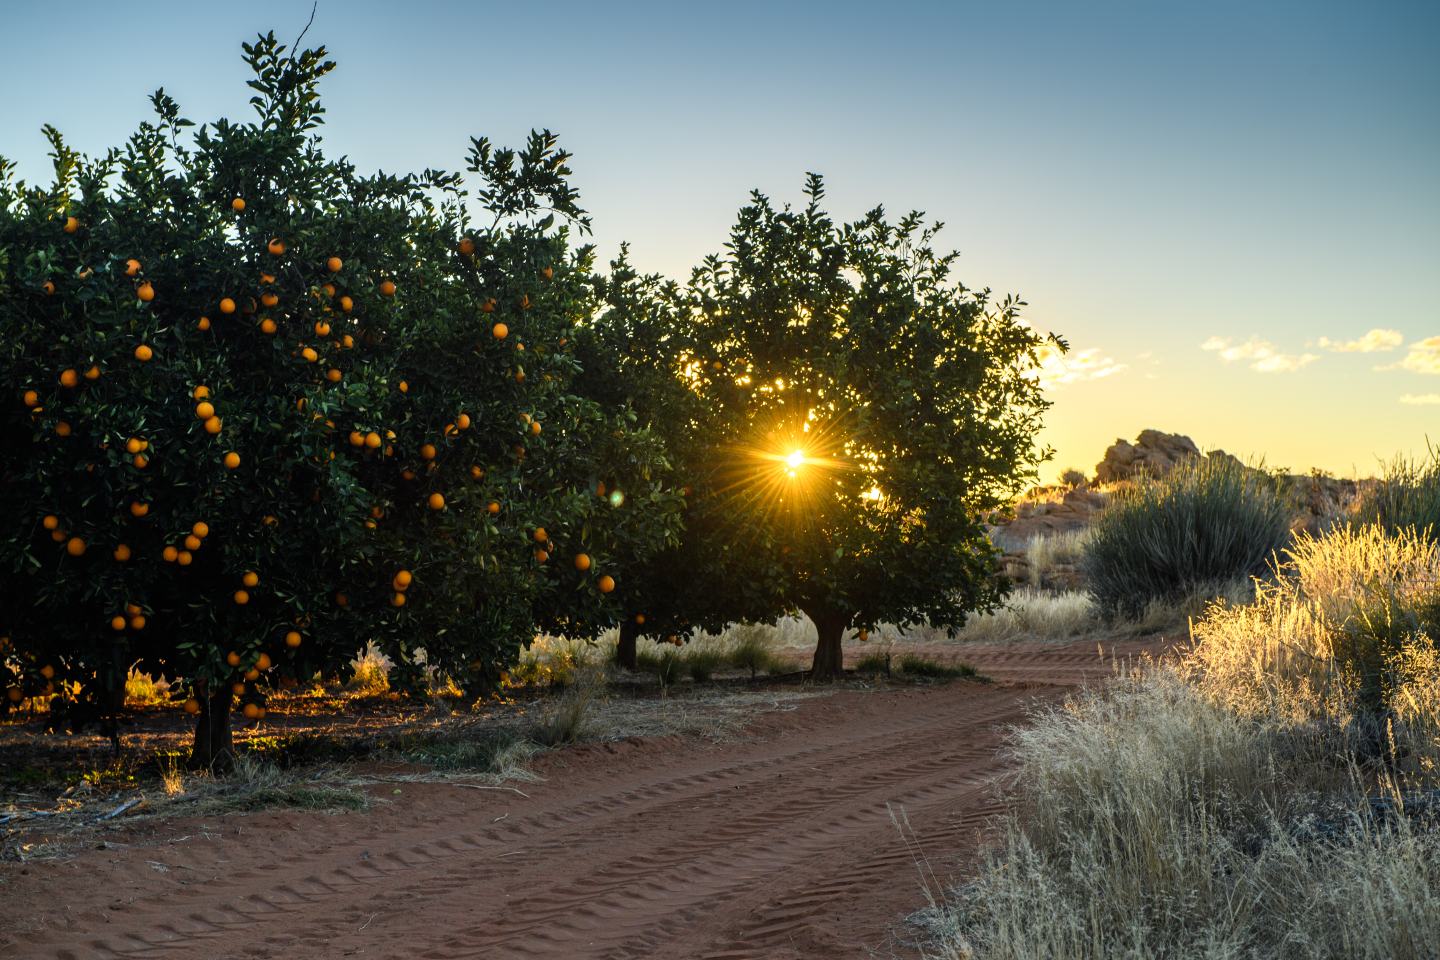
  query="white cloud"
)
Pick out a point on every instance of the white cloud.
point(1421, 399)
point(1374, 341)
point(1423, 356)
point(1058, 368)
point(1261, 354)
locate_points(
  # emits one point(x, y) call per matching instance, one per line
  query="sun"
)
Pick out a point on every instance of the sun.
point(795, 460)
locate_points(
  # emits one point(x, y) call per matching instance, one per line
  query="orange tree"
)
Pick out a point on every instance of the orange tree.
point(260, 412)
point(637, 355)
point(865, 411)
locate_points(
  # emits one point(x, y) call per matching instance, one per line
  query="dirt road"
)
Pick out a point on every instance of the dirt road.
point(778, 846)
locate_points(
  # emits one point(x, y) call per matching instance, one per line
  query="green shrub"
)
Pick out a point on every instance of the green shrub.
point(1210, 522)
point(1408, 496)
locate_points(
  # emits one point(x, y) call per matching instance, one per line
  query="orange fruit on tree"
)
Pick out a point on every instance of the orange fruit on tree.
point(346, 304)
point(132, 267)
point(184, 558)
point(232, 658)
point(488, 306)
point(251, 711)
point(292, 639)
point(547, 273)
point(535, 427)
point(540, 535)
point(93, 373)
point(640, 619)
point(397, 600)
point(117, 623)
point(334, 375)
point(49, 288)
point(493, 507)
point(268, 299)
point(541, 556)
point(436, 501)
point(50, 522)
point(476, 472)
point(201, 392)
point(203, 323)
point(143, 353)
point(213, 425)
point(141, 461)
point(238, 689)
point(63, 429)
point(204, 410)
point(582, 561)
point(605, 583)
point(334, 264)
point(309, 354)
point(145, 292)
point(322, 329)
point(192, 542)
point(58, 536)
point(427, 451)
point(31, 398)
point(139, 508)
point(267, 326)
point(387, 288)
point(71, 224)
point(238, 204)
point(200, 529)
point(500, 331)
point(170, 554)
point(262, 662)
point(121, 553)
point(137, 622)
point(15, 694)
point(372, 440)
point(69, 378)
point(232, 460)
point(463, 421)
point(250, 578)
point(227, 305)
point(467, 246)
point(357, 439)
point(192, 706)
point(276, 246)
point(402, 579)
point(241, 597)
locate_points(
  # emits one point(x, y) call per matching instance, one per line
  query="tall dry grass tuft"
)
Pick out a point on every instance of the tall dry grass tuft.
point(1224, 806)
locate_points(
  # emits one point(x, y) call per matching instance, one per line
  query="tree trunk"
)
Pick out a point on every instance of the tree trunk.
point(625, 650)
point(214, 747)
point(829, 663)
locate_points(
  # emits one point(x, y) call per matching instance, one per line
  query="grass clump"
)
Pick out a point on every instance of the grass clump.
point(1406, 498)
point(1210, 522)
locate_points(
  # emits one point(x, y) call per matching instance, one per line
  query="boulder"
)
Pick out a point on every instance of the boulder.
point(1154, 453)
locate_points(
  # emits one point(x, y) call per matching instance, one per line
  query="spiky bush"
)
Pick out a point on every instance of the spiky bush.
point(1408, 496)
point(1208, 523)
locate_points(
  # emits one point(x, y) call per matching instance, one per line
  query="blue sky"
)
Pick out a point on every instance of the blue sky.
point(1208, 200)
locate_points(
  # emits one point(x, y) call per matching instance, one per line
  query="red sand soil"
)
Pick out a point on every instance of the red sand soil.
point(776, 846)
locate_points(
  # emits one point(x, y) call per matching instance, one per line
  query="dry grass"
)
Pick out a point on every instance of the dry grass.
point(1221, 807)
point(1046, 551)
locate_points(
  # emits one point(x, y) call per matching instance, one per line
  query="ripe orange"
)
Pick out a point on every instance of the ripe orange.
point(357, 439)
point(143, 353)
point(184, 558)
point(204, 410)
point(547, 273)
point(500, 331)
point(250, 579)
point(404, 386)
point(276, 246)
point(493, 507)
point(232, 658)
point(435, 501)
point(203, 323)
point(137, 622)
point(640, 619)
point(192, 706)
point(71, 224)
point(488, 306)
point(341, 600)
point(541, 556)
point(582, 561)
point(238, 689)
point(268, 299)
point(540, 535)
point(397, 600)
point(463, 421)
point(132, 267)
point(232, 460)
point(69, 378)
point(242, 597)
point(606, 583)
point(93, 373)
point(292, 639)
point(372, 440)
point(15, 694)
point(49, 288)
point(138, 508)
point(140, 461)
point(192, 542)
point(519, 376)
point(467, 246)
point(346, 304)
point(535, 428)
point(117, 623)
point(322, 329)
point(476, 472)
point(121, 553)
point(58, 536)
point(62, 428)
point(427, 451)
point(262, 662)
point(51, 522)
point(170, 554)
point(227, 305)
point(213, 425)
point(402, 579)
point(201, 529)
point(267, 326)
point(309, 354)
point(334, 264)
point(145, 292)
point(334, 375)
point(31, 398)
point(251, 711)
point(387, 288)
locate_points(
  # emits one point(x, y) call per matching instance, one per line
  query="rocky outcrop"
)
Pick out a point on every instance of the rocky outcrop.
point(1154, 453)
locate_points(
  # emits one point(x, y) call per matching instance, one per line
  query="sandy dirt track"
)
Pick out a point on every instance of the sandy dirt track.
point(776, 846)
